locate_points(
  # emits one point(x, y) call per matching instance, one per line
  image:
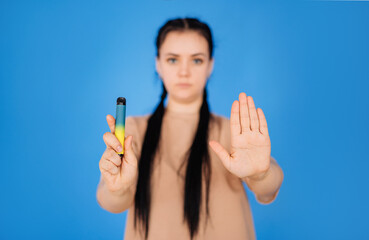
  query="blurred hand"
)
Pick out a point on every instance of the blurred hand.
point(118, 173)
point(250, 142)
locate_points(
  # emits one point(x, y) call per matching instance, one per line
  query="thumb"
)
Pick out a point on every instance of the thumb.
point(129, 155)
point(221, 152)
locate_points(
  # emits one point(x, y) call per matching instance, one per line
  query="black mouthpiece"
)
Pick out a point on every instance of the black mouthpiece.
point(121, 101)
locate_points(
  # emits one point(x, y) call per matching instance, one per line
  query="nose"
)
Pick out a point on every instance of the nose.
point(184, 69)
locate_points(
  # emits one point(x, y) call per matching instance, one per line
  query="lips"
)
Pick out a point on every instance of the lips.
point(184, 85)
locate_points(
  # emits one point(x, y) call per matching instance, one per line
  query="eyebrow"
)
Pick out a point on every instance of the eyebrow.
point(196, 54)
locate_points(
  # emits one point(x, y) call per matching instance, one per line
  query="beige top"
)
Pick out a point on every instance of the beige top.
point(230, 213)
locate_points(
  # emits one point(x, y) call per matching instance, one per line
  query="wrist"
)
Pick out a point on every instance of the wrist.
point(116, 192)
point(258, 177)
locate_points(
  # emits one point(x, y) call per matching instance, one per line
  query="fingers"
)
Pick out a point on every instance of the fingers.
point(112, 156)
point(111, 122)
point(244, 113)
point(253, 115)
point(250, 117)
point(263, 122)
point(221, 152)
point(235, 119)
point(112, 142)
point(107, 166)
point(110, 162)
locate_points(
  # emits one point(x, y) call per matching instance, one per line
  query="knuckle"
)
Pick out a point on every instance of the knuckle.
point(105, 136)
point(116, 161)
point(113, 159)
point(110, 154)
point(102, 164)
point(106, 154)
point(108, 165)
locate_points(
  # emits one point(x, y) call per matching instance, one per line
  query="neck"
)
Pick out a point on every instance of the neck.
point(181, 107)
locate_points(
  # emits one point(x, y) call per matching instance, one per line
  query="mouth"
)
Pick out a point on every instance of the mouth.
point(183, 85)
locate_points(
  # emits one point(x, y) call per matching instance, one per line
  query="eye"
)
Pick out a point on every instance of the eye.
point(171, 60)
point(198, 60)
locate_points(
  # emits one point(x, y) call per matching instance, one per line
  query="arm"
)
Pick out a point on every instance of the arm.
point(266, 187)
point(115, 202)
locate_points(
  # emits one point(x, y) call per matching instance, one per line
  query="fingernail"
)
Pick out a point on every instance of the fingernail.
point(119, 148)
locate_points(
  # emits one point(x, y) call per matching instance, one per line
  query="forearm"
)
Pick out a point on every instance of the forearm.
point(114, 202)
point(266, 188)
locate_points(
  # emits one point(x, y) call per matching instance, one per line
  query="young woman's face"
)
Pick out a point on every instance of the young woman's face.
point(184, 65)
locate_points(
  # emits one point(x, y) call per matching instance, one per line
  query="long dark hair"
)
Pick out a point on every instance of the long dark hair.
point(198, 155)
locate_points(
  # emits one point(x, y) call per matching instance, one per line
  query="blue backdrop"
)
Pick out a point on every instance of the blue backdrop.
point(64, 63)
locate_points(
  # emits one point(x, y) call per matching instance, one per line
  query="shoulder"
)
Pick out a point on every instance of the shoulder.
point(220, 128)
point(136, 125)
point(221, 121)
point(219, 117)
point(138, 120)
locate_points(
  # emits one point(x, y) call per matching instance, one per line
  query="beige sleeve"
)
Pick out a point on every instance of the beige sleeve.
point(131, 129)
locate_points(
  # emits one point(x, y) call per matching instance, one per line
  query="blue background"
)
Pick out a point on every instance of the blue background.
point(64, 63)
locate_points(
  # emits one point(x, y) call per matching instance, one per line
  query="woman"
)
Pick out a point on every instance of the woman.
point(172, 184)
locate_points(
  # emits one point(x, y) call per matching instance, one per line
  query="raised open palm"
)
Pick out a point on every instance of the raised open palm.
point(250, 142)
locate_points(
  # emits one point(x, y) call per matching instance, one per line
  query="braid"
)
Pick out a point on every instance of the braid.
point(198, 162)
point(143, 190)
